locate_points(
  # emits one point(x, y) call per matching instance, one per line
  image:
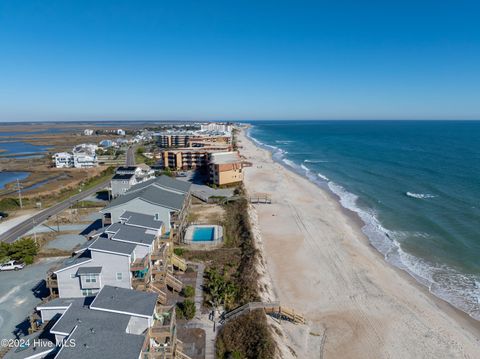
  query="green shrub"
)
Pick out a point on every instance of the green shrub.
point(188, 291)
point(28, 259)
point(22, 250)
point(187, 309)
point(246, 336)
point(179, 251)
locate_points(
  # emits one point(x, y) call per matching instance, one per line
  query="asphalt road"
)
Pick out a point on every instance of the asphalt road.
point(22, 228)
point(130, 158)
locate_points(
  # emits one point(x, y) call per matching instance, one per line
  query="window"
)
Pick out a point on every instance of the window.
point(91, 278)
point(87, 292)
point(119, 275)
point(72, 275)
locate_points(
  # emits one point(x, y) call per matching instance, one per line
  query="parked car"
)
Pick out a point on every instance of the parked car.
point(11, 265)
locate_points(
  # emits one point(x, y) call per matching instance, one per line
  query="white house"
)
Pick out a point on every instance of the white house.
point(120, 132)
point(84, 155)
point(63, 160)
point(88, 132)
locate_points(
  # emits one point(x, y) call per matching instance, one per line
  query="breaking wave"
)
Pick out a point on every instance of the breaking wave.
point(420, 195)
point(459, 289)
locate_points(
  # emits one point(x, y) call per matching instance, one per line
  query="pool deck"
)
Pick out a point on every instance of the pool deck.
point(217, 237)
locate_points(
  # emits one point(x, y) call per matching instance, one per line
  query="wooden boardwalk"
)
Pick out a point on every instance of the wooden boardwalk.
point(273, 308)
point(265, 198)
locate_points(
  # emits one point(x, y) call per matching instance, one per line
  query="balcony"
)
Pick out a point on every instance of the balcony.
point(140, 264)
point(161, 351)
point(142, 281)
point(159, 253)
point(163, 326)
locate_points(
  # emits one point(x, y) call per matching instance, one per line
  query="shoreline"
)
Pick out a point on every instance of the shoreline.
point(467, 328)
point(355, 217)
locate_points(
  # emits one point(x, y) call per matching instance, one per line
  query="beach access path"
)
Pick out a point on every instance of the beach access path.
point(322, 265)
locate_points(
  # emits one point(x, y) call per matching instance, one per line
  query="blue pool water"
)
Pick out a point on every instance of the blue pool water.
point(203, 234)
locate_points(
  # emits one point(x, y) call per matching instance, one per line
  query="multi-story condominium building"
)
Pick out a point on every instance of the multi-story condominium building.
point(179, 139)
point(164, 197)
point(185, 158)
point(190, 158)
point(117, 323)
point(63, 160)
point(216, 127)
point(225, 168)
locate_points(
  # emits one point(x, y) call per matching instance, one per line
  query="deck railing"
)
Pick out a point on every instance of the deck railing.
point(139, 264)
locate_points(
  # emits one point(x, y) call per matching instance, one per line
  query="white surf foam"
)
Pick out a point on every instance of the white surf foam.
point(315, 161)
point(460, 289)
point(420, 195)
point(325, 178)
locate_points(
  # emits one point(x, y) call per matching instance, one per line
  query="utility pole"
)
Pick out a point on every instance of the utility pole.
point(34, 232)
point(19, 188)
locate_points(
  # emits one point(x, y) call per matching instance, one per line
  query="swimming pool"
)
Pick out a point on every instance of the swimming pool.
point(203, 234)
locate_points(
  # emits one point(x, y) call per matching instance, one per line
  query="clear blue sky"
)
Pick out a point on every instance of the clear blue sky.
point(87, 60)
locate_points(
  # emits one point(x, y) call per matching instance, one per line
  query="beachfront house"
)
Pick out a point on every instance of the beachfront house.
point(117, 323)
point(166, 198)
point(120, 255)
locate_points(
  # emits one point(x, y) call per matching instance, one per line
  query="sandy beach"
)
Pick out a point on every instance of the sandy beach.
point(320, 263)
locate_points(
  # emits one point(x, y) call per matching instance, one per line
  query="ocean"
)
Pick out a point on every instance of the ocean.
point(414, 184)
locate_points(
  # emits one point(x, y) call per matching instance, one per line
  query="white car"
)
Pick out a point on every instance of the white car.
point(11, 265)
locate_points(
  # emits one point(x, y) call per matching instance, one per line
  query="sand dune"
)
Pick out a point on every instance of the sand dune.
point(321, 264)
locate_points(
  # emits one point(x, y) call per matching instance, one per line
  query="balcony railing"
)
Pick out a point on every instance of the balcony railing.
point(52, 282)
point(139, 264)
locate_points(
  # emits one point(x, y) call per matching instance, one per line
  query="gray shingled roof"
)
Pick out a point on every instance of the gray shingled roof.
point(96, 341)
point(89, 270)
point(165, 182)
point(151, 194)
point(74, 261)
point(132, 234)
point(35, 348)
point(103, 244)
point(81, 315)
point(125, 300)
point(141, 220)
point(58, 302)
point(172, 183)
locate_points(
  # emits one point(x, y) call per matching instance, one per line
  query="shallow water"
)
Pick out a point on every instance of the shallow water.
point(8, 177)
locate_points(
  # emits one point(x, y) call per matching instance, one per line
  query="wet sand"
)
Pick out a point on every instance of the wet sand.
point(320, 263)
